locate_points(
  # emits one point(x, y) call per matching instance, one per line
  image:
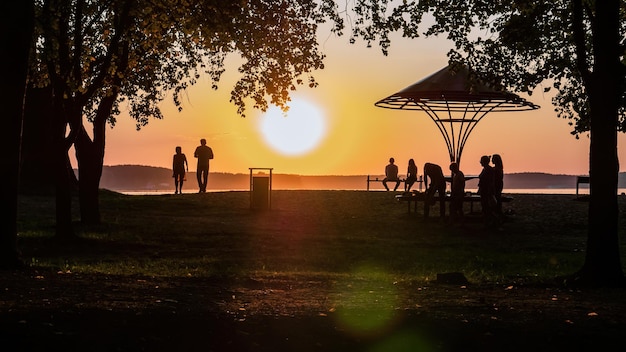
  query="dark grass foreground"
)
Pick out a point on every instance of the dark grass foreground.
point(320, 271)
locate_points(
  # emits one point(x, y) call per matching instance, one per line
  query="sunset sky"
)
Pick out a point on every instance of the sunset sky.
point(347, 134)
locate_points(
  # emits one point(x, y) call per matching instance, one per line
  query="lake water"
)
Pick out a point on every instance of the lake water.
point(582, 190)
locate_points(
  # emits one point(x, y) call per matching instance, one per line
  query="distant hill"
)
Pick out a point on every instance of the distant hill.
point(140, 178)
point(150, 178)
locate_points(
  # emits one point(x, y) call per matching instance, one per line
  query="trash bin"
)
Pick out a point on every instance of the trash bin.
point(260, 188)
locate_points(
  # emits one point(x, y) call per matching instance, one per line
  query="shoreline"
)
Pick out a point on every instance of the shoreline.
point(537, 191)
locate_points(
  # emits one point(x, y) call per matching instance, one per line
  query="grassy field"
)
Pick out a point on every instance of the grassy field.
point(320, 271)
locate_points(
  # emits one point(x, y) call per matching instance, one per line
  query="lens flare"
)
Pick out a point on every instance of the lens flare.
point(367, 303)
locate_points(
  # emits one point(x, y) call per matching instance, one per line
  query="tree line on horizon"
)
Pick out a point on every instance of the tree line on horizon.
point(143, 177)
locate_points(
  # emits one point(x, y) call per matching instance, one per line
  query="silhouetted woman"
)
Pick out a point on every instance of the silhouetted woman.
point(498, 180)
point(179, 166)
point(486, 189)
point(457, 193)
point(411, 175)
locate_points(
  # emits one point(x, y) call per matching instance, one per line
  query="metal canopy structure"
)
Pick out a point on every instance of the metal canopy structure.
point(460, 100)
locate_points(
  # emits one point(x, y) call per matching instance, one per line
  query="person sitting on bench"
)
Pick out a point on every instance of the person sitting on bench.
point(391, 174)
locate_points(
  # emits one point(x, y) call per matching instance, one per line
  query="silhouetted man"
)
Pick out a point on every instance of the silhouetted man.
point(391, 174)
point(204, 153)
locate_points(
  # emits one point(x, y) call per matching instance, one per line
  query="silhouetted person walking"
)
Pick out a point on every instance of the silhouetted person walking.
point(391, 174)
point(204, 153)
point(435, 182)
point(457, 193)
point(179, 166)
point(411, 175)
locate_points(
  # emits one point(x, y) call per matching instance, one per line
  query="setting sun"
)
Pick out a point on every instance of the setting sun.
point(297, 132)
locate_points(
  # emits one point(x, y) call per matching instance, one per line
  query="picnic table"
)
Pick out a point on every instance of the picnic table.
point(415, 197)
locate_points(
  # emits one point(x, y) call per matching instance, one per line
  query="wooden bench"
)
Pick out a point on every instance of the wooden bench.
point(371, 179)
point(415, 197)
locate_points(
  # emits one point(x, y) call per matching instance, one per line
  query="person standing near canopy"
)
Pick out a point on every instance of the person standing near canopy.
point(487, 191)
point(457, 193)
point(498, 181)
point(434, 175)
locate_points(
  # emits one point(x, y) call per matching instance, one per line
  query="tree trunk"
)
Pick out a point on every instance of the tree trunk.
point(90, 158)
point(602, 262)
point(16, 28)
point(63, 185)
point(37, 162)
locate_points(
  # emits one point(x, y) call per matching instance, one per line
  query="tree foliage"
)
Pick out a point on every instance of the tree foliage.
point(146, 49)
point(573, 46)
point(103, 57)
point(523, 44)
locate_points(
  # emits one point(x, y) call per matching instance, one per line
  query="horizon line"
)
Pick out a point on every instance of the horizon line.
point(340, 175)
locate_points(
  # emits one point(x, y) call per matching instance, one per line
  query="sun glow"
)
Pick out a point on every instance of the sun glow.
point(297, 132)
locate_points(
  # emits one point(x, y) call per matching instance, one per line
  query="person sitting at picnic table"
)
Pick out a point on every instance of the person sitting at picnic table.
point(391, 174)
point(411, 175)
point(457, 193)
point(435, 182)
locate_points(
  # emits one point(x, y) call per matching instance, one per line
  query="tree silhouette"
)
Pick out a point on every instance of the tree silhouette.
point(99, 57)
point(573, 46)
point(16, 28)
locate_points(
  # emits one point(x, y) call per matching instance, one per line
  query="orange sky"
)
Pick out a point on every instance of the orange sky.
point(359, 137)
